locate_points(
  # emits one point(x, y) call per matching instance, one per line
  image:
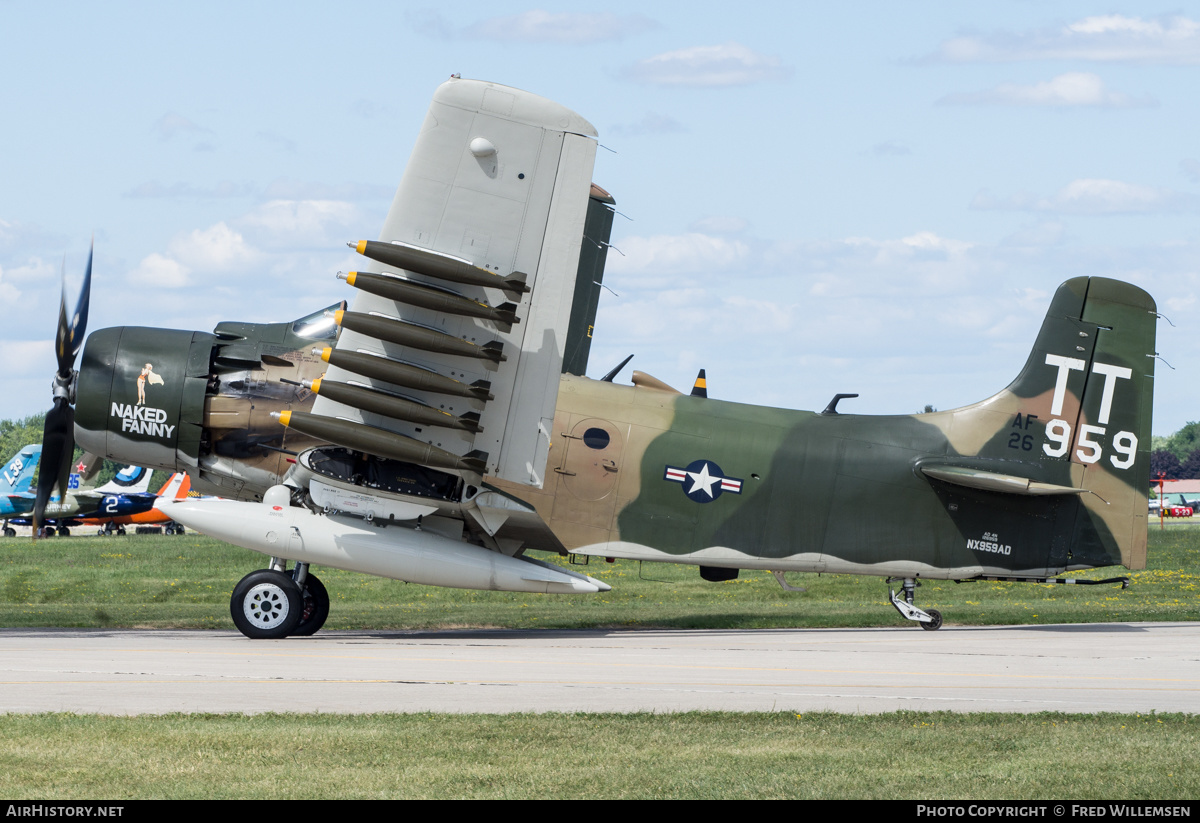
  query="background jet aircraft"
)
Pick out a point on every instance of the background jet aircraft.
point(126, 494)
point(176, 488)
point(428, 432)
point(15, 483)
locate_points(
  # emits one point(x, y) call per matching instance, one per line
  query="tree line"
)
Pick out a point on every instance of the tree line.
point(1176, 457)
point(17, 434)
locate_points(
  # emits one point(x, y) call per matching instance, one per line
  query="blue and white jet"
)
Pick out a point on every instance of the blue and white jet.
point(16, 495)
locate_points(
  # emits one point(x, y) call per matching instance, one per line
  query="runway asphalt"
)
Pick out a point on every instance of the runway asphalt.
point(1119, 667)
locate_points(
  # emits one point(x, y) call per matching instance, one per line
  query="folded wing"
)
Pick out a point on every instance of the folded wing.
point(450, 353)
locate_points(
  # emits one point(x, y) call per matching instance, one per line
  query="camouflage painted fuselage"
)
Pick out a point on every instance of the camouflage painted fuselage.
point(1048, 475)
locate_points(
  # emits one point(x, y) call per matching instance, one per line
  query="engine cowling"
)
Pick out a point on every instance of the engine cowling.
point(140, 395)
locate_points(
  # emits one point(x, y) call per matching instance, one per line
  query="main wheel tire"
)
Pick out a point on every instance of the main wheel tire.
point(9, 531)
point(64, 531)
point(934, 624)
point(266, 605)
point(315, 610)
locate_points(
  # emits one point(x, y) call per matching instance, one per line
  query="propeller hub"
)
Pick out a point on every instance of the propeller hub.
point(65, 388)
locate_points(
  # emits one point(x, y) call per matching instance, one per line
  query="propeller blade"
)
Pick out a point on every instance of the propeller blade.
point(58, 449)
point(72, 329)
point(58, 437)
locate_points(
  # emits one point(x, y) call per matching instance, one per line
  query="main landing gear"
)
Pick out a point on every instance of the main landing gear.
point(270, 604)
point(930, 620)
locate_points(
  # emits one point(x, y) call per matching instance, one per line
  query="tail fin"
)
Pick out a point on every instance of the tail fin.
point(176, 487)
point(1077, 418)
point(129, 480)
point(17, 476)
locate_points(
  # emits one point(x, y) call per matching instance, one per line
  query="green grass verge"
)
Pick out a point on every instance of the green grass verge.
point(185, 582)
point(907, 755)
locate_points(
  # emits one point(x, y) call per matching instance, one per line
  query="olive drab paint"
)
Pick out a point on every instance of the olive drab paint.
point(774, 488)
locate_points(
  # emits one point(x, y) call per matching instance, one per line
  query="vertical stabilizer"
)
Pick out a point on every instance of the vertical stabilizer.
point(129, 480)
point(17, 476)
point(1078, 417)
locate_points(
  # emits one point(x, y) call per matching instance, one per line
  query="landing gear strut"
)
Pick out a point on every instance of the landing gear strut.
point(316, 601)
point(930, 620)
point(270, 604)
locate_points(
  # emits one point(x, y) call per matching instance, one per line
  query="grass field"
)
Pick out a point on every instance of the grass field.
point(185, 582)
point(906, 755)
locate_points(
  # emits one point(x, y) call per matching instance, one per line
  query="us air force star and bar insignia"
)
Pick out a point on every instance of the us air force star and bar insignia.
point(703, 481)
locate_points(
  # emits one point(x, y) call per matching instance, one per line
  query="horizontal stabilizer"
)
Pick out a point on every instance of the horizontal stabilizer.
point(994, 481)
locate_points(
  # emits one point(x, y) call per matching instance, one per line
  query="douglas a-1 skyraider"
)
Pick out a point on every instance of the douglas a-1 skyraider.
point(438, 429)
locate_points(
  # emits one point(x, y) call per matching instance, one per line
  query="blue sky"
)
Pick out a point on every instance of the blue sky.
point(854, 197)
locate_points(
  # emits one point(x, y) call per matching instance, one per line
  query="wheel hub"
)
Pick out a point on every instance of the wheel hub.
point(266, 605)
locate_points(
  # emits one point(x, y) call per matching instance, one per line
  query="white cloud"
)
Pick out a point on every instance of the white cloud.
point(1045, 233)
point(159, 271)
point(890, 148)
point(181, 190)
point(304, 223)
point(652, 123)
point(729, 64)
point(905, 321)
point(18, 235)
point(215, 250)
point(34, 270)
point(281, 241)
point(539, 26)
point(285, 189)
point(677, 253)
point(172, 123)
point(1171, 40)
point(1070, 89)
point(278, 141)
point(1190, 168)
point(1092, 196)
point(922, 263)
point(719, 225)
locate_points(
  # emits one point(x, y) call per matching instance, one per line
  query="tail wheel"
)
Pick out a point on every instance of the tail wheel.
point(315, 609)
point(266, 605)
